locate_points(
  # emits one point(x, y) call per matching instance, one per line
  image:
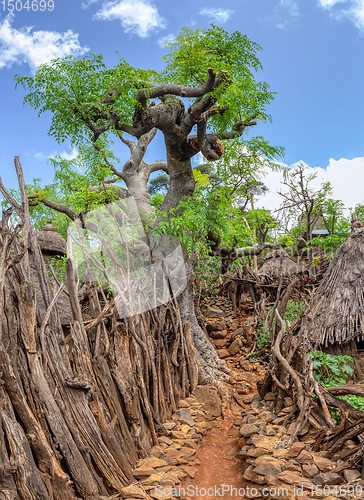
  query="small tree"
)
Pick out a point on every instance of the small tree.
point(357, 213)
point(263, 222)
point(302, 203)
point(338, 227)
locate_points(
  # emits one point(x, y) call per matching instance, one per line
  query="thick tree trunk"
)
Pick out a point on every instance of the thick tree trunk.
point(181, 180)
point(211, 370)
point(137, 182)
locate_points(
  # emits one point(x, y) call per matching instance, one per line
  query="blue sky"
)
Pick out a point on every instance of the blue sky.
point(312, 56)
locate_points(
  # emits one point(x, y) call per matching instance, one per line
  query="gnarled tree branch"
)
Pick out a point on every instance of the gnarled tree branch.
point(229, 255)
point(158, 165)
point(59, 207)
point(238, 128)
point(178, 90)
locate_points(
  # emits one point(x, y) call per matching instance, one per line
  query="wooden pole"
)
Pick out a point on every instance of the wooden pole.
point(255, 257)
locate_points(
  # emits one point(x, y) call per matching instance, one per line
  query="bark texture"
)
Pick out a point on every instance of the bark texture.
point(211, 370)
point(78, 406)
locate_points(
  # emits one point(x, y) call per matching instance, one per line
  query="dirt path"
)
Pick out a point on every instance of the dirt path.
point(218, 455)
point(219, 465)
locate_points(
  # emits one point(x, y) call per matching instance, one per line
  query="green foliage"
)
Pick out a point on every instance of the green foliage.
point(330, 370)
point(216, 203)
point(82, 93)
point(263, 335)
point(39, 214)
point(202, 180)
point(261, 220)
point(301, 197)
point(156, 200)
point(207, 273)
point(252, 189)
point(356, 401)
point(286, 240)
point(330, 243)
point(292, 313)
point(59, 267)
point(357, 213)
point(332, 213)
point(72, 90)
point(243, 165)
point(192, 52)
point(206, 210)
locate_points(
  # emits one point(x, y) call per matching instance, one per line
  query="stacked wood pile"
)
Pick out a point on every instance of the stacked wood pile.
point(77, 411)
point(249, 292)
point(53, 247)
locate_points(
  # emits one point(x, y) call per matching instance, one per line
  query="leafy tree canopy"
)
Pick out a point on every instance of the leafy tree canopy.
point(208, 87)
point(261, 219)
point(234, 57)
point(84, 92)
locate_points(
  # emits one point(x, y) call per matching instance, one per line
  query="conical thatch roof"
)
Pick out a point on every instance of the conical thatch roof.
point(52, 244)
point(320, 223)
point(271, 266)
point(335, 315)
point(50, 241)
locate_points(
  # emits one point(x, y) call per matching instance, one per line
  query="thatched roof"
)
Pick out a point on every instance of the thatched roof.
point(52, 244)
point(271, 266)
point(319, 225)
point(50, 241)
point(335, 314)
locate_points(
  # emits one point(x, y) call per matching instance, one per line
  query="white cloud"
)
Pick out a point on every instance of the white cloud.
point(166, 39)
point(353, 10)
point(329, 3)
point(216, 15)
point(63, 154)
point(285, 12)
point(340, 173)
point(358, 14)
point(198, 160)
point(136, 16)
point(290, 5)
point(35, 47)
point(87, 3)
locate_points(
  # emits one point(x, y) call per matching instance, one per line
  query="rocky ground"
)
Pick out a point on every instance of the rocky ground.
point(294, 471)
point(240, 451)
point(174, 459)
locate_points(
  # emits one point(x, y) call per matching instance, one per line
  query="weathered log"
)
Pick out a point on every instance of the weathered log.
point(343, 390)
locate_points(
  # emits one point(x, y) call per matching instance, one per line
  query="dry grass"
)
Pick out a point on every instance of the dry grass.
point(336, 311)
point(271, 266)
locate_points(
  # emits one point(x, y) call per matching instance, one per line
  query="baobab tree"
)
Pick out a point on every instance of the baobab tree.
point(206, 95)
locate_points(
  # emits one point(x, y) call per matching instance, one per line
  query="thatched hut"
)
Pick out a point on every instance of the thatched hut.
point(319, 230)
point(51, 243)
point(53, 246)
point(334, 319)
point(272, 265)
